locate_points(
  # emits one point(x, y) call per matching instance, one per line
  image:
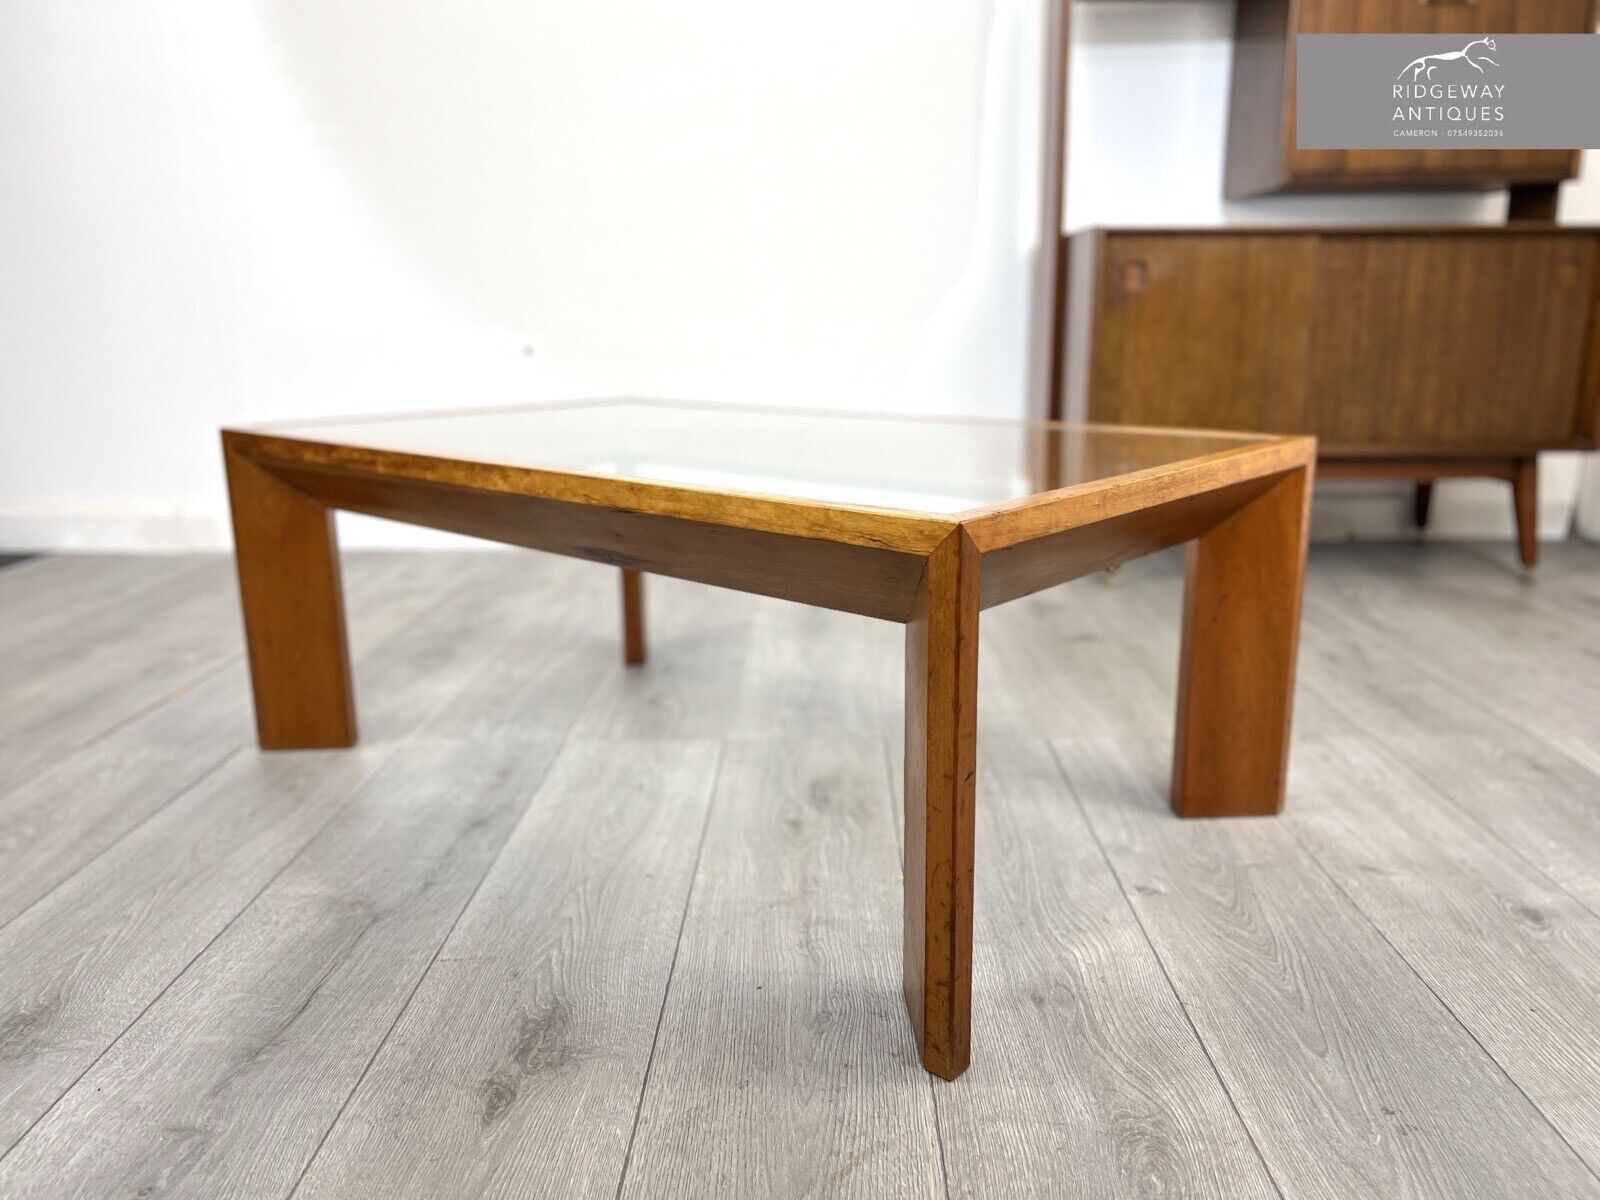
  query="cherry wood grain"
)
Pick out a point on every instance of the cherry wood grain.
point(288, 563)
point(999, 526)
point(632, 617)
point(852, 524)
point(870, 580)
point(1031, 566)
point(940, 772)
point(1241, 627)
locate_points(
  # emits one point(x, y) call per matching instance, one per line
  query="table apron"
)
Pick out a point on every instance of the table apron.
point(871, 581)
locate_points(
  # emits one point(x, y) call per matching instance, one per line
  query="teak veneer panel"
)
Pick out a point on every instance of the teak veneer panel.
point(1262, 155)
point(1377, 341)
point(1179, 321)
point(1474, 341)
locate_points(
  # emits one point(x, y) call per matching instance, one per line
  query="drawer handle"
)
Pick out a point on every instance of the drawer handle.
point(1134, 276)
point(1448, 3)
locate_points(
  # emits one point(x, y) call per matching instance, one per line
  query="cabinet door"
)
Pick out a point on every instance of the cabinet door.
point(1308, 168)
point(1202, 330)
point(1449, 341)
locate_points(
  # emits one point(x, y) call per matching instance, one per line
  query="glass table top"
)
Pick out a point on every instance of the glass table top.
point(925, 465)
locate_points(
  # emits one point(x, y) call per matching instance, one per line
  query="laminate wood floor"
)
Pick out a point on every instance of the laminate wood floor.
point(561, 928)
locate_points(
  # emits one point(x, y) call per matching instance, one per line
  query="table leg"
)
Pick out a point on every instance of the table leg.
point(940, 768)
point(288, 562)
point(1241, 625)
point(632, 617)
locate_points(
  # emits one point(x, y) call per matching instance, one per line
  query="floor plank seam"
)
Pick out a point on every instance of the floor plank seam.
point(1511, 714)
point(292, 859)
point(1538, 870)
point(1494, 822)
point(133, 718)
point(422, 975)
point(1440, 1000)
point(938, 1135)
point(417, 730)
point(560, 747)
point(244, 908)
point(215, 669)
point(1483, 554)
point(887, 747)
point(200, 678)
point(1394, 756)
point(177, 975)
point(1222, 1083)
point(124, 836)
point(672, 967)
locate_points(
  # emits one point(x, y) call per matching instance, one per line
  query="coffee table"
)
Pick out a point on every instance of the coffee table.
point(921, 521)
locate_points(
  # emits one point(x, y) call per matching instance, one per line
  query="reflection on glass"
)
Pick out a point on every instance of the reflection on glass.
point(922, 465)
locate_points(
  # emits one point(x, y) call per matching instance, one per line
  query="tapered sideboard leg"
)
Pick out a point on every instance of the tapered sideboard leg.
point(1422, 505)
point(632, 617)
point(940, 776)
point(1241, 624)
point(1525, 493)
point(288, 561)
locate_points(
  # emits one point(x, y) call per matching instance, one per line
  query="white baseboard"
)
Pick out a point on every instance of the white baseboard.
point(1588, 518)
point(1462, 510)
point(130, 527)
point(164, 531)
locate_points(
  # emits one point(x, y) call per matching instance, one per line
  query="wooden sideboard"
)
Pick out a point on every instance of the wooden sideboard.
point(1262, 155)
point(1411, 353)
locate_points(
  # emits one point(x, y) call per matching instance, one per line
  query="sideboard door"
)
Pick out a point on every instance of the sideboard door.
point(1433, 342)
point(1199, 329)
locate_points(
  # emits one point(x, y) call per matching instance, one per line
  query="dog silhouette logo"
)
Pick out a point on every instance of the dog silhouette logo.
point(1429, 63)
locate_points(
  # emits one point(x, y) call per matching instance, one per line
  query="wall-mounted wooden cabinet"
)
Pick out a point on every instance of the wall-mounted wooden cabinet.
point(1414, 352)
point(1262, 156)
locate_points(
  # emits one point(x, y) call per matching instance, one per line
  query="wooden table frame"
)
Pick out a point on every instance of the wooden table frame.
point(1244, 510)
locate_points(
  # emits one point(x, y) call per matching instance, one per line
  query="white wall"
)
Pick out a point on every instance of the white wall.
point(1148, 120)
point(235, 210)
